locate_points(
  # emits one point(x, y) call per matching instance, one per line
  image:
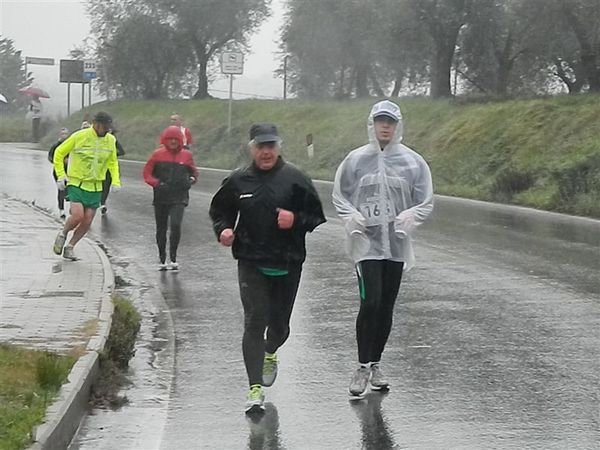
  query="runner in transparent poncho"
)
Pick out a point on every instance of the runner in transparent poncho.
point(382, 192)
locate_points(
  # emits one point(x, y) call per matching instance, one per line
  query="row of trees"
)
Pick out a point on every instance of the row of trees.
point(161, 48)
point(354, 48)
point(12, 75)
point(494, 47)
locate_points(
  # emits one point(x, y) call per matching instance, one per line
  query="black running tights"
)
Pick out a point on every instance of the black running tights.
point(61, 194)
point(268, 303)
point(106, 188)
point(162, 214)
point(379, 282)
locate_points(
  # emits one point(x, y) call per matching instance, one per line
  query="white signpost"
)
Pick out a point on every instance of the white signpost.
point(89, 73)
point(232, 63)
point(89, 69)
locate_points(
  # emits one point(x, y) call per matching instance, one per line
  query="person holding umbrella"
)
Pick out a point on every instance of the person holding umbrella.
point(35, 108)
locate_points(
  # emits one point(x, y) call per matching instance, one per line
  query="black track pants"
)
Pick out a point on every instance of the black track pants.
point(162, 214)
point(106, 188)
point(268, 303)
point(379, 282)
point(61, 194)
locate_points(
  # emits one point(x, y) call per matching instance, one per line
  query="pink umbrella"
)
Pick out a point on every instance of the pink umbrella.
point(34, 91)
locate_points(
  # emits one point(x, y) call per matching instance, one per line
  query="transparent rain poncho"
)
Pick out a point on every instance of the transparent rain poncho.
point(382, 196)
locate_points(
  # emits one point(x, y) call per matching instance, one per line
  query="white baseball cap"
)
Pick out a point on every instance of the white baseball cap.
point(386, 108)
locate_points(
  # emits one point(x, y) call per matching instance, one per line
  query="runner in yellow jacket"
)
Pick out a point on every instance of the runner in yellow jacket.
point(92, 151)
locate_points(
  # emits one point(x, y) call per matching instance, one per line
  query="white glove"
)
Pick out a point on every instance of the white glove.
point(404, 224)
point(114, 188)
point(355, 223)
point(61, 183)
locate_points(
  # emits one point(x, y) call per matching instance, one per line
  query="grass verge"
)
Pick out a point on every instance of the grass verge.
point(29, 381)
point(542, 153)
point(114, 360)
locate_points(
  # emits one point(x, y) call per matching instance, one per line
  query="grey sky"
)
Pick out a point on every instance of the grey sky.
point(51, 28)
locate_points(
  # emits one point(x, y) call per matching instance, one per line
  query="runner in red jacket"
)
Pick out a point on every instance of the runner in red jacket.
point(170, 171)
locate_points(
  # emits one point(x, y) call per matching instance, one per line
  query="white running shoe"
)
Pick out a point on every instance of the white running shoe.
point(359, 383)
point(255, 400)
point(270, 364)
point(69, 254)
point(59, 243)
point(162, 267)
point(378, 380)
point(173, 266)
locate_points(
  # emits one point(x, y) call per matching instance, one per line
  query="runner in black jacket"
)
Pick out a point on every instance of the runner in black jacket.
point(62, 135)
point(264, 211)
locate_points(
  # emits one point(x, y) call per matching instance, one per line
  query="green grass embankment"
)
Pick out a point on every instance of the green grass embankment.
point(541, 153)
point(29, 381)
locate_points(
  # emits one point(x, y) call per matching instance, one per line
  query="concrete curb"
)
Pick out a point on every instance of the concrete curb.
point(64, 415)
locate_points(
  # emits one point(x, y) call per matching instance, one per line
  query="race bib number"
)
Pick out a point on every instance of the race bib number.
point(372, 212)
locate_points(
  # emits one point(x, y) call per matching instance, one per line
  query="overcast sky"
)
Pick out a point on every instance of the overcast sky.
point(51, 28)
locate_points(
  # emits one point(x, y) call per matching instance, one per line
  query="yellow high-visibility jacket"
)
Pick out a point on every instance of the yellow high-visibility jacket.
point(90, 156)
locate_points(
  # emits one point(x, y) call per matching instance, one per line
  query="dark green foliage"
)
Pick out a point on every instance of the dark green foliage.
point(124, 328)
point(12, 76)
point(509, 182)
point(51, 371)
point(579, 186)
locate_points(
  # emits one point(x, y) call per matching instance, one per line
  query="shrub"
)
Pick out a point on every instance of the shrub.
point(121, 340)
point(509, 182)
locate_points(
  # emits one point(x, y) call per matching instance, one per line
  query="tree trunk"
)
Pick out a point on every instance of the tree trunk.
point(588, 55)
point(340, 91)
point(442, 66)
point(376, 85)
point(505, 65)
point(361, 81)
point(397, 84)
point(202, 91)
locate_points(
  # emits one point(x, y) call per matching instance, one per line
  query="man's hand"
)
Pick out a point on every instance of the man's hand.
point(285, 219)
point(114, 188)
point(192, 180)
point(61, 183)
point(404, 224)
point(226, 238)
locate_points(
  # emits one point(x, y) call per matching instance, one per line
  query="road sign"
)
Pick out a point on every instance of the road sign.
point(71, 71)
point(89, 69)
point(232, 63)
point(39, 61)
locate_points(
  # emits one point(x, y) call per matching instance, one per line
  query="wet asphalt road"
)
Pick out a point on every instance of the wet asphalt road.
point(495, 341)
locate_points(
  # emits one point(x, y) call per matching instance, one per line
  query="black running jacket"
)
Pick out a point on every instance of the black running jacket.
point(247, 202)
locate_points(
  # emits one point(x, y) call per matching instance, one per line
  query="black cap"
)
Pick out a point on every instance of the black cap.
point(103, 118)
point(264, 132)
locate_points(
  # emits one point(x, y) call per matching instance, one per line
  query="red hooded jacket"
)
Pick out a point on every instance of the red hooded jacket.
point(171, 172)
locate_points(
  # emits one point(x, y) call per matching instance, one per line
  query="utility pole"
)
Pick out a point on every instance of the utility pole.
point(230, 103)
point(285, 60)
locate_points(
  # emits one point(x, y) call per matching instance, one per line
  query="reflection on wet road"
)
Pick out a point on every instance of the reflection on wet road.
point(495, 339)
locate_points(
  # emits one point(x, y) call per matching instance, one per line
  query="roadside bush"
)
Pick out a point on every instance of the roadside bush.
point(509, 182)
point(579, 185)
point(51, 371)
point(114, 360)
point(121, 340)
